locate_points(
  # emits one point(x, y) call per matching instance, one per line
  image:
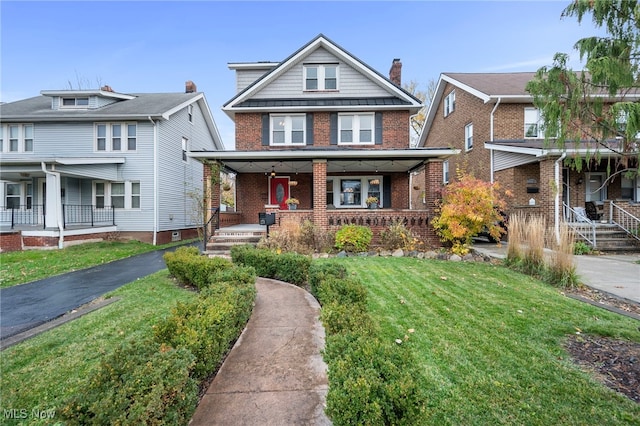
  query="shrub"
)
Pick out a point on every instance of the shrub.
point(140, 383)
point(319, 271)
point(580, 248)
point(347, 291)
point(290, 267)
point(208, 326)
point(353, 238)
point(372, 382)
point(339, 318)
point(315, 238)
point(189, 267)
point(398, 236)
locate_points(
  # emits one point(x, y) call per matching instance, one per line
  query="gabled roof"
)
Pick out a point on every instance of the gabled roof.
point(489, 87)
point(402, 98)
point(135, 106)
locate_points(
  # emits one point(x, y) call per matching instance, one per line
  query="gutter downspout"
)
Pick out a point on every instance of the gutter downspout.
point(491, 137)
point(556, 213)
point(58, 191)
point(155, 181)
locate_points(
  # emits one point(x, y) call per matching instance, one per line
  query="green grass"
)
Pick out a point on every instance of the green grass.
point(20, 267)
point(42, 372)
point(489, 341)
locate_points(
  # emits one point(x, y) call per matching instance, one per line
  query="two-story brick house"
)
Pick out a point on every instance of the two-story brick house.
point(324, 127)
point(491, 119)
point(88, 164)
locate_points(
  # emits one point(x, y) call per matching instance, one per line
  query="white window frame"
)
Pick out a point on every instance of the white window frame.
point(185, 149)
point(450, 103)
point(339, 195)
point(445, 172)
point(109, 138)
point(19, 196)
point(529, 123)
point(468, 137)
point(356, 128)
point(19, 142)
point(128, 195)
point(79, 102)
point(190, 113)
point(285, 124)
point(321, 77)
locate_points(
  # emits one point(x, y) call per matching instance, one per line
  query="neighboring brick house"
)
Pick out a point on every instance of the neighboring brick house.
point(491, 119)
point(94, 164)
point(324, 127)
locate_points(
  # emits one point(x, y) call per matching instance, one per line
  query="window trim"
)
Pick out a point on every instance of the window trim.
point(336, 190)
point(356, 129)
point(75, 100)
point(20, 139)
point(185, 149)
point(321, 77)
point(450, 103)
point(468, 137)
point(445, 172)
point(127, 196)
point(539, 124)
point(288, 129)
point(190, 113)
point(125, 138)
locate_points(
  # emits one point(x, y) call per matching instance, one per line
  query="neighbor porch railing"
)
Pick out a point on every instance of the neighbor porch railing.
point(81, 214)
point(625, 220)
point(22, 215)
point(577, 220)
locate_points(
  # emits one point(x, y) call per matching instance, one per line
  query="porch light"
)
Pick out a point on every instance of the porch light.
point(273, 171)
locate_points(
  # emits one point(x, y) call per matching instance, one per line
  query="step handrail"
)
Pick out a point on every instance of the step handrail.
point(577, 220)
point(625, 220)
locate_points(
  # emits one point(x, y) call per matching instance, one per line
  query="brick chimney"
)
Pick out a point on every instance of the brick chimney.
point(106, 88)
point(190, 87)
point(395, 73)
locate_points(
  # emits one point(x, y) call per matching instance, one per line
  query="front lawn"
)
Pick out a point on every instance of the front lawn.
point(490, 342)
point(41, 373)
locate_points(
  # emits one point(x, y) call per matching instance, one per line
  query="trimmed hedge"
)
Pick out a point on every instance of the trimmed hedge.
point(371, 382)
point(156, 382)
point(289, 267)
point(140, 383)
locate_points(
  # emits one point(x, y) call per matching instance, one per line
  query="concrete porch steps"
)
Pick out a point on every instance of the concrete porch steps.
point(610, 238)
point(224, 239)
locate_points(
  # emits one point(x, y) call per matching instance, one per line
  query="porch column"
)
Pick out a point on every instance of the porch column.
point(546, 197)
point(433, 192)
point(53, 204)
point(211, 188)
point(320, 193)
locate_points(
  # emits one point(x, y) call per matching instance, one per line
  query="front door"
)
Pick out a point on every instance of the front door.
point(279, 191)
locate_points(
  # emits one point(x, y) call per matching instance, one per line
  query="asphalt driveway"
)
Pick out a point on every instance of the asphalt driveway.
point(26, 306)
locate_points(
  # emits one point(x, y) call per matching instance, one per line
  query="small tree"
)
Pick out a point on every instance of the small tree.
point(468, 206)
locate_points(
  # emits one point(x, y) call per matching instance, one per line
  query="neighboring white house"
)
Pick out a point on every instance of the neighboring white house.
point(84, 164)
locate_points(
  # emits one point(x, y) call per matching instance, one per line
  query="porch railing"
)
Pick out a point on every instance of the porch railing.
point(22, 215)
point(625, 220)
point(87, 214)
point(576, 219)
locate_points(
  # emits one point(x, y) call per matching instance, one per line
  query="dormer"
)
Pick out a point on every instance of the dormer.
point(65, 100)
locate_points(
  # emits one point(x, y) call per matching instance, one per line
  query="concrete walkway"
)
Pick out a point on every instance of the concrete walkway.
point(616, 274)
point(274, 375)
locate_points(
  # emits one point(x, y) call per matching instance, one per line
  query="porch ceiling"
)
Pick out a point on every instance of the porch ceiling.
point(338, 161)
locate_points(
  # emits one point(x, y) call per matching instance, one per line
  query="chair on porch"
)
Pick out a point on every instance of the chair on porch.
point(592, 211)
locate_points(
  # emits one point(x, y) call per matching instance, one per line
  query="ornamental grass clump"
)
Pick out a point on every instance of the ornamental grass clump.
point(561, 270)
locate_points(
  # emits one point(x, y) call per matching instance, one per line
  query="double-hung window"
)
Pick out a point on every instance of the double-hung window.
point(321, 77)
point(288, 129)
point(119, 195)
point(352, 192)
point(190, 113)
point(13, 195)
point(533, 125)
point(109, 137)
point(468, 137)
point(450, 103)
point(19, 138)
point(356, 129)
point(185, 148)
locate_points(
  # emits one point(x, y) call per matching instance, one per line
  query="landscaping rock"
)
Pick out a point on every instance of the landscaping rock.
point(398, 253)
point(455, 258)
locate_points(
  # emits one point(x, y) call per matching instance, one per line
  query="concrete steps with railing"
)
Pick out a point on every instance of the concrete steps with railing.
point(612, 238)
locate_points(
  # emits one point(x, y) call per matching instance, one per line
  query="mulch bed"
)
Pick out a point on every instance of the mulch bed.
point(616, 363)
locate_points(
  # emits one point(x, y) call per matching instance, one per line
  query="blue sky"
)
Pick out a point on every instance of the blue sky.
point(155, 46)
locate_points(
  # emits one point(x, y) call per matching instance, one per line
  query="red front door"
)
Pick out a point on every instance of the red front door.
point(279, 191)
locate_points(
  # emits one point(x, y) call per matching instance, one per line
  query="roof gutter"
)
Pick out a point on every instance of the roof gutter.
point(58, 201)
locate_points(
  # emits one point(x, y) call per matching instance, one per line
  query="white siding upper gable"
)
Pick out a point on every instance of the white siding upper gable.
point(351, 82)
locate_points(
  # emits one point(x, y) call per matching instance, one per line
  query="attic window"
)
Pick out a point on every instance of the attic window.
point(320, 77)
point(75, 102)
point(450, 103)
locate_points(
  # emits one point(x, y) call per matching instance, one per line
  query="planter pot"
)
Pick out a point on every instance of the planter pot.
point(373, 206)
point(293, 206)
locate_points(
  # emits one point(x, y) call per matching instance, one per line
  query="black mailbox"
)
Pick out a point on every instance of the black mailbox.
point(266, 218)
